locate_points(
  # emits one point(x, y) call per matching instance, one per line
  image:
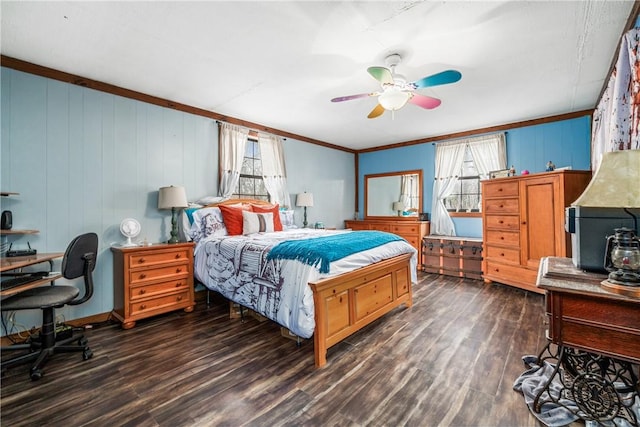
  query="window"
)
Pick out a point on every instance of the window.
point(466, 193)
point(251, 185)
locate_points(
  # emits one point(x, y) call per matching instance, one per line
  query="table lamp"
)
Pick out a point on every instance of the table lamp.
point(172, 198)
point(399, 207)
point(304, 200)
point(616, 185)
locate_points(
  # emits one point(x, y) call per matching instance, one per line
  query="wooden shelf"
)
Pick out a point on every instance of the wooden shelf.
point(15, 232)
point(8, 193)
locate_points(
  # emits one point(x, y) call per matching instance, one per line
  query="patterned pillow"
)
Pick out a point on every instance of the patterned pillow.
point(277, 224)
point(287, 220)
point(256, 222)
point(207, 222)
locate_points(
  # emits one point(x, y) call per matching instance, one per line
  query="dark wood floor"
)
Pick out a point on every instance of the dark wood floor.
point(450, 360)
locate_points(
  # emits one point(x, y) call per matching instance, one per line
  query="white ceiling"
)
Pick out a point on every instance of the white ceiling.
point(278, 64)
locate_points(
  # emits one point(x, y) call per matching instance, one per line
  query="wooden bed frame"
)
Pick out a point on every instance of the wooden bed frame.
point(348, 302)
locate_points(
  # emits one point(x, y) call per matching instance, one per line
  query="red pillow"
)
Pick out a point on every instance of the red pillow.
point(232, 217)
point(275, 210)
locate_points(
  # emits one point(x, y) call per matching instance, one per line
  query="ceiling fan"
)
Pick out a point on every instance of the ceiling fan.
point(396, 92)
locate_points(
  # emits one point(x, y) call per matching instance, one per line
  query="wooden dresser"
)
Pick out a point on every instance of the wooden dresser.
point(411, 231)
point(452, 256)
point(523, 221)
point(150, 280)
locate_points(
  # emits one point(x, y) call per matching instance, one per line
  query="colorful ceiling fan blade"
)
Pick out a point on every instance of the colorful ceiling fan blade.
point(382, 74)
point(424, 101)
point(376, 112)
point(443, 78)
point(350, 97)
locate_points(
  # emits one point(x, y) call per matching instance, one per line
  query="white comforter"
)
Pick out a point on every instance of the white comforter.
point(236, 267)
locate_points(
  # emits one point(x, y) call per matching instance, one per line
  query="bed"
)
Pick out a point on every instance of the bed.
point(322, 283)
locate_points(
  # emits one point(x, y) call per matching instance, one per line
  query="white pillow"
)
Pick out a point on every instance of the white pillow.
point(253, 222)
point(207, 222)
point(286, 218)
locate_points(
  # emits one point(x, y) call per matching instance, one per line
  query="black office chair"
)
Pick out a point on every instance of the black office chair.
point(79, 261)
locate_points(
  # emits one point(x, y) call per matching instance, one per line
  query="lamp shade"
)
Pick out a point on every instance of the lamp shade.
point(172, 197)
point(393, 99)
point(304, 199)
point(398, 206)
point(616, 183)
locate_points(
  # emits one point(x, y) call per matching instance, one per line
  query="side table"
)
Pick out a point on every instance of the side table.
point(594, 343)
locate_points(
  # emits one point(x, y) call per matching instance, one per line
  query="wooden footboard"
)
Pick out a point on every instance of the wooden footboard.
point(346, 303)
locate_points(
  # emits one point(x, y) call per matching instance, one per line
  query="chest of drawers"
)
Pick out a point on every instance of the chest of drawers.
point(523, 221)
point(152, 280)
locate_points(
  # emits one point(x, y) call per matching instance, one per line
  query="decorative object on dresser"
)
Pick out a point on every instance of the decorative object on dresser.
point(398, 207)
point(151, 280)
point(172, 198)
point(411, 230)
point(304, 200)
point(130, 228)
point(523, 221)
point(452, 256)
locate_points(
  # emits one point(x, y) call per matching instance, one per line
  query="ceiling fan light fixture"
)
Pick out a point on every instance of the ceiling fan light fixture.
point(393, 99)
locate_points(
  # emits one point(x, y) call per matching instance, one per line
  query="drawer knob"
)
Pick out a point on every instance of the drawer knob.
point(497, 270)
point(141, 261)
point(178, 284)
point(501, 237)
point(179, 297)
point(501, 222)
point(502, 254)
point(143, 306)
point(502, 206)
point(178, 270)
point(500, 189)
point(143, 291)
point(177, 256)
point(142, 276)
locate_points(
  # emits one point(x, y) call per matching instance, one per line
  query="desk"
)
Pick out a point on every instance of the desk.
point(15, 263)
point(596, 335)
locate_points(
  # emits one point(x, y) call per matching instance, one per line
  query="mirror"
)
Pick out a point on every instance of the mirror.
point(393, 194)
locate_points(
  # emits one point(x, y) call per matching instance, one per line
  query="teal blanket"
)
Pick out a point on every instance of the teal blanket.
point(324, 250)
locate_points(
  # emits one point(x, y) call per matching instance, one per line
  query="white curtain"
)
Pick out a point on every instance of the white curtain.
point(273, 169)
point(409, 192)
point(489, 153)
point(449, 158)
point(233, 140)
point(616, 119)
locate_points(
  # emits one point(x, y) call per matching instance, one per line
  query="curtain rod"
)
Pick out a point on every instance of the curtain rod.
point(251, 130)
point(470, 137)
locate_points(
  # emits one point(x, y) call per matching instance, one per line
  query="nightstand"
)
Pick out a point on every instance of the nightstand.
point(151, 280)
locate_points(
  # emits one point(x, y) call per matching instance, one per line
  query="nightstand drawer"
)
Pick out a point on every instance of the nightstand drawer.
point(174, 271)
point(161, 303)
point(147, 291)
point(157, 258)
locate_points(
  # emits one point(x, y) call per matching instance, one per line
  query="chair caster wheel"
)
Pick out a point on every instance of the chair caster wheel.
point(83, 341)
point(87, 354)
point(36, 374)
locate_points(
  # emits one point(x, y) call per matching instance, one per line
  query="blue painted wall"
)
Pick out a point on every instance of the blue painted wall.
point(83, 160)
point(566, 143)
